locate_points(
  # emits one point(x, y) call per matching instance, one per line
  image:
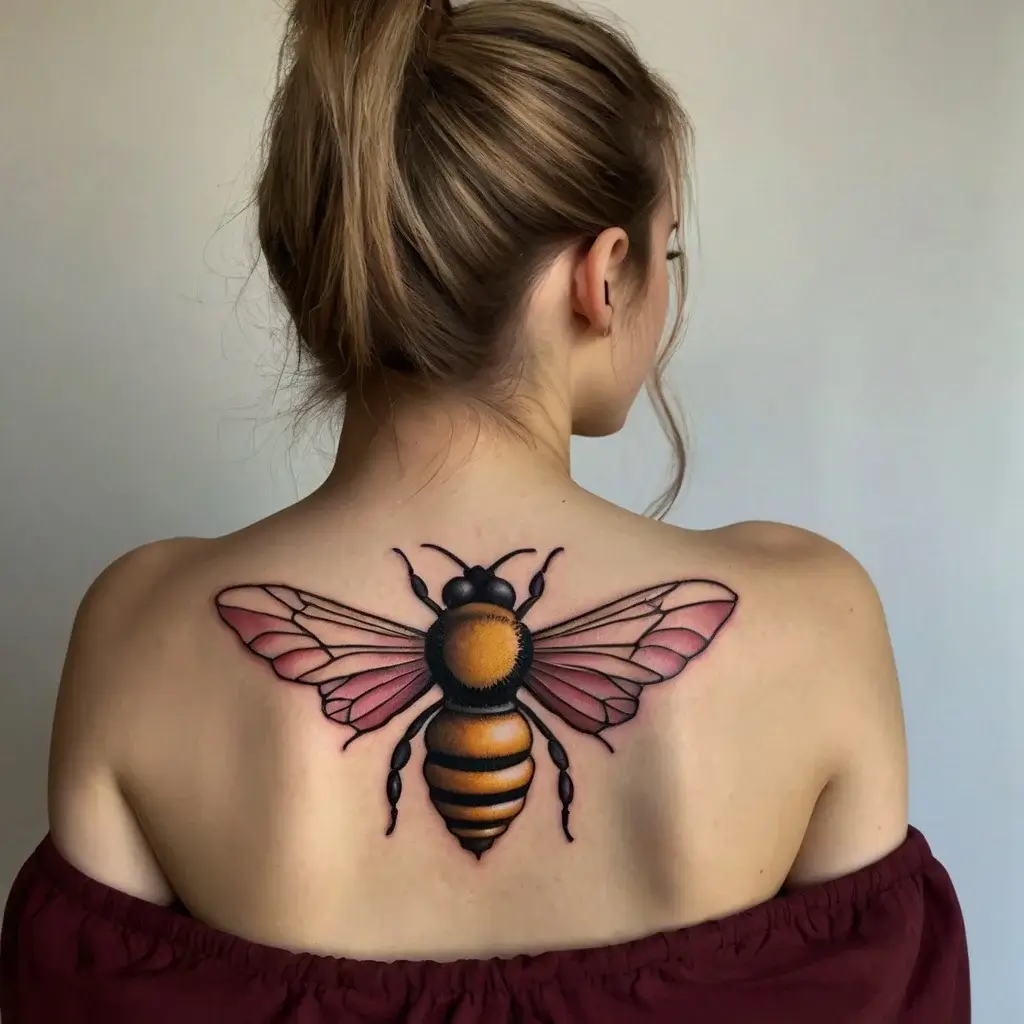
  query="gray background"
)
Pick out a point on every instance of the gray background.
point(855, 362)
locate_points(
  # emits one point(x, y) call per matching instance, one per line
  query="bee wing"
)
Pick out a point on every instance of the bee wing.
point(591, 670)
point(367, 668)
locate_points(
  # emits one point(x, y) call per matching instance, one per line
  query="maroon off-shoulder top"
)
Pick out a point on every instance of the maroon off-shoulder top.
point(885, 945)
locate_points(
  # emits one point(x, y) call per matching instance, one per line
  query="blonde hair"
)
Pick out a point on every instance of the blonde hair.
point(424, 164)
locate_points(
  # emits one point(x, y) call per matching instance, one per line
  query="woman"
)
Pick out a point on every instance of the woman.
point(606, 769)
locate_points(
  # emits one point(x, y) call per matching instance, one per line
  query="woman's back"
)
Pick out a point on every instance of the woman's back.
point(171, 734)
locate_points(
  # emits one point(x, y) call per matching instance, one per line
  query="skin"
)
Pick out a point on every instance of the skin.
point(182, 769)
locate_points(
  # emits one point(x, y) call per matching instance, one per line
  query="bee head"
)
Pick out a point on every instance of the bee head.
point(478, 584)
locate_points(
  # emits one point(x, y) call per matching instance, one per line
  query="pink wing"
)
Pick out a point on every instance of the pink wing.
point(591, 670)
point(367, 669)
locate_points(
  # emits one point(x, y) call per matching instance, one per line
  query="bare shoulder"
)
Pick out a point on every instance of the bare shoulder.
point(821, 602)
point(111, 643)
point(819, 599)
point(117, 612)
point(805, 599)
point(779, 540)
point(118, 594)
point(817, 577)
point(807, 585)
point(114, 613)
point(819, 621)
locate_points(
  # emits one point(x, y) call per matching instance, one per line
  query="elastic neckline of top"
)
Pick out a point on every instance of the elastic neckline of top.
point(740, 935)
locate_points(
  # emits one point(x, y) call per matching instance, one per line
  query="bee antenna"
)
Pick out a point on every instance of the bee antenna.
point(448, 554)
point(512, 554)
point(554, 554)
point(401, 554)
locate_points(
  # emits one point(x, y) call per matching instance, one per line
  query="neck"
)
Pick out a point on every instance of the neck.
point(397, 445)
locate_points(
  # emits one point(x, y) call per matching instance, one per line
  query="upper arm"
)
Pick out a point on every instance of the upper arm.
point(861, 813)
point(90, 821)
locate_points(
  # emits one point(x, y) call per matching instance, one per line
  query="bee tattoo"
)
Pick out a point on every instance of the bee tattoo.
point(589, 671)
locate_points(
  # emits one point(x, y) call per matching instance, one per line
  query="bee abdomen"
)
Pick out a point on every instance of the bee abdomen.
point(479, 771)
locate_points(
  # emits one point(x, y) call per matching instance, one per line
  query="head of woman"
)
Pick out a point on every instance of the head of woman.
point(481, 202)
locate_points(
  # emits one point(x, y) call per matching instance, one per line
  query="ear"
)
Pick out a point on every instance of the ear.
point(596, 277)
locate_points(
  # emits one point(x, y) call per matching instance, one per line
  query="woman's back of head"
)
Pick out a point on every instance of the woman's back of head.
point(426, 165)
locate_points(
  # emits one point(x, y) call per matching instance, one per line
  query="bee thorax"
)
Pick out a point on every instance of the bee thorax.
point(481, 645)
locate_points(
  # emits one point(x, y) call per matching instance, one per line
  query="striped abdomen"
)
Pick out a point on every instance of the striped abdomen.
point(479, 770)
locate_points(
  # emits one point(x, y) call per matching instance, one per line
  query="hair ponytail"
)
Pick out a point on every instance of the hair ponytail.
point(332, 249)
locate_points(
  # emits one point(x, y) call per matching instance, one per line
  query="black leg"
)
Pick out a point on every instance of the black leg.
point(537, 585)
point(400, 758)
point(419, 587)
point(566, 790)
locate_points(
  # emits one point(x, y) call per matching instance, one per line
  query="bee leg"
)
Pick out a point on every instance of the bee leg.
point(537, 585)
point(558, 755)
point(400, 758)
point(419, 586)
